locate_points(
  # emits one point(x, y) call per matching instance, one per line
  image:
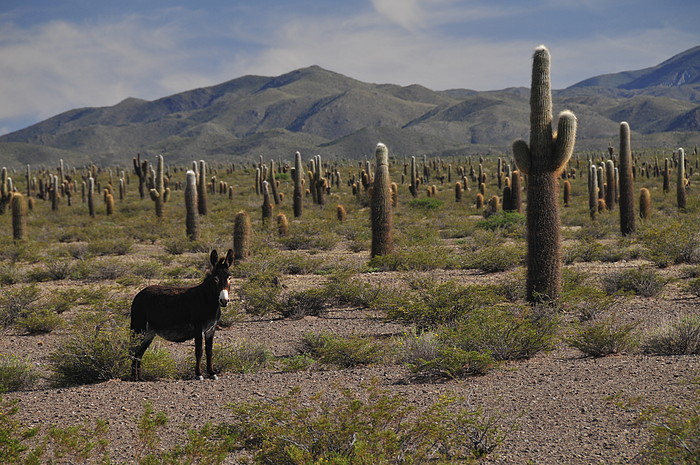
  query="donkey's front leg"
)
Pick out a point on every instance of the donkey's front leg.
point(198, 356)
point(209, 346)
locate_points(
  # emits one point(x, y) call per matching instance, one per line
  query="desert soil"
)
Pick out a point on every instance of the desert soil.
point(556, 408)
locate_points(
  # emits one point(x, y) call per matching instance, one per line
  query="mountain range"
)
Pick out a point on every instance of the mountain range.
point(317, 111)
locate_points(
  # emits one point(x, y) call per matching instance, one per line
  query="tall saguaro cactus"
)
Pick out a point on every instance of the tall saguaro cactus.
point(298, 188)
point(157, 191)
point(191, 215)
point(382, 234)
point(681, 195)
point(19, 217)
point(542, 161)
point(626, 194)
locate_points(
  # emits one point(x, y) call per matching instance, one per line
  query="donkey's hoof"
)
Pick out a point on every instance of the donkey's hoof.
point(199, 378)
point(214, 377)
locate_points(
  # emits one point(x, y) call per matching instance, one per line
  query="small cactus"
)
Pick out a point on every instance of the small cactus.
point(458, 191)
point(567, 193)
point(109, 204)
point(644, 203)
point(19, 217)
point(267, 204)
point(382, 223)
point(282, 225)
point(192, 215)
point(479, 201)
point(241, 236)
point(341, 213)
point(593, 191)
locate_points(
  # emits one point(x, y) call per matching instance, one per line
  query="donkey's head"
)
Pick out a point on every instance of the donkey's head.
point(221, 275)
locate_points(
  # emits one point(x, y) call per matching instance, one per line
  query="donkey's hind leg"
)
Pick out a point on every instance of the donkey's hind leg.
point(209, 348)
point(137, 352)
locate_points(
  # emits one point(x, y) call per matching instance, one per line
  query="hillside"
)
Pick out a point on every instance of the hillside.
point(315, 110)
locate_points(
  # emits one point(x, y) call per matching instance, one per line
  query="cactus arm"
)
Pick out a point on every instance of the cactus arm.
point(521, 152)
point(565, 139)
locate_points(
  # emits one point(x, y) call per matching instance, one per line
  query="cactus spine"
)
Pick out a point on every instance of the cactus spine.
point(19, 217)
point(192, 215)
point(680, 180)
point(626, 185)
point(298, 187)
point(382, 226)
point(542, 161)
point(157, 191)
point(241, 236)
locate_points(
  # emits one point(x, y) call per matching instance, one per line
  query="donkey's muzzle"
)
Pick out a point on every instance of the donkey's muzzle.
point(223, 298)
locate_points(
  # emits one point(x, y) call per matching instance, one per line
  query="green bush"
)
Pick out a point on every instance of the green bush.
point(671, 242)
point(244, 356)
point(504, 332)
point(16, 373)
point(506, 221)
point(454, 362)
point(681, 337)
point(425, 203)
point(604, 336)
point(344, 352)
point(158, 363)
point(675, 435)
point(420, 258)
point(295, 363)
point(644, 282)
point(40, 320)
point(92, 353)
point(371, 426)
point(260, 294)
point(297, 305)
point(432, 304)
point(15, 302)
point(496, 259)
point(118, 246)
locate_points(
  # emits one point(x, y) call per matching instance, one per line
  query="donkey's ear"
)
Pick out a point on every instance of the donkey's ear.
point(214, 257)
point(229, 257)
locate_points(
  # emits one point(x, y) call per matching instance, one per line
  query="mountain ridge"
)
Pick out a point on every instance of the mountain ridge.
point(315, 110)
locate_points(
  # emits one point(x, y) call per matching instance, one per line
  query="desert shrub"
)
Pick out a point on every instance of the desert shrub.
point(675, 434)
point(417, 348)
point(10, 274)
point(681, 337)
point(603, 336)
point(297, 305)
point(14, 437)
point(344, 352)
point(421, 258)
point(158, 363)
point(92, 353)
point(504, 332)
point(260, 294)
point(100, 269)
point(117, 246)
point(425, 203)
point(644, 282)
point(432, 304)
point(309, 239)
point(14, 302)
point(344, 289)
point(39, 320)
point(184, 245)
point(243, 356)
point(585, 302)
point(369, 426)
point(505, 221)
point(295, 363)
point(496, 259)
point(671, 242)
point(454, 362)
point(16, 373)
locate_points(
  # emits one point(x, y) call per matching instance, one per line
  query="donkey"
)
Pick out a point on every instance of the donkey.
point(179, 314)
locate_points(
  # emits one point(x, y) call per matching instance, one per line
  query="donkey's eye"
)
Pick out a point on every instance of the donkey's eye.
point(217, 280)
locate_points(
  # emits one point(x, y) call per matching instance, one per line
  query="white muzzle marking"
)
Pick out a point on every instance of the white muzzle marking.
point(223, 297)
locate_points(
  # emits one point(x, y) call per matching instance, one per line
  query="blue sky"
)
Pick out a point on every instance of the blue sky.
point(65, 54)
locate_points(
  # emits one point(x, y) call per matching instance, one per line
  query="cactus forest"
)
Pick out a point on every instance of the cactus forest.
point(539, 306)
